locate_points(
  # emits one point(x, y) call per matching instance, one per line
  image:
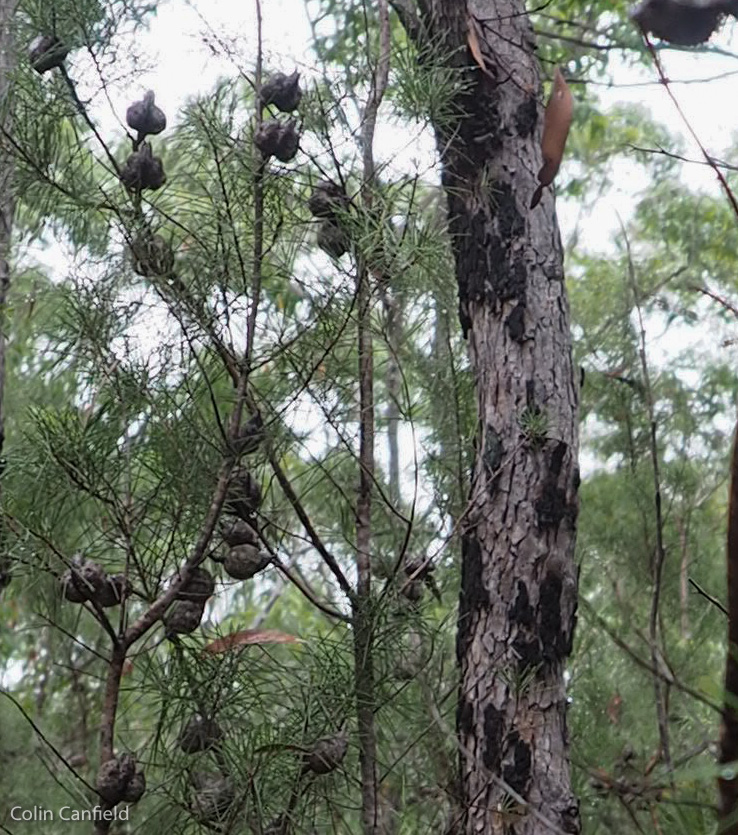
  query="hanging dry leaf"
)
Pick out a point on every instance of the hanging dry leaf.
point(556, 124)
point(473, 41)
point(246, 637)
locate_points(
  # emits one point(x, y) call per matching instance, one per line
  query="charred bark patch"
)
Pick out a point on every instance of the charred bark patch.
point(493, 727)
point(472, 588)
point(528, 651)
point(515, 323)
point(551, 506)
point(517, 774)
point(530, 395)
point(486, 269)
point(555, 644)
point(505, 278)
point(521, 612)
point(557, 458)
point(468, 235)
point(464, 717)
point(472, 596)
point(508, 273)
point(526, 117)
point(510, 222)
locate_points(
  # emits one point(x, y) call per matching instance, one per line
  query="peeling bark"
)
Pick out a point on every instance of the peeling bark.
point(518, 599)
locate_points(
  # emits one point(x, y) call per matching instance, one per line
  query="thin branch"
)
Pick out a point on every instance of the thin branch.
point(657, 567)
point(307, 524)
point(715, 602)
point(719, 299)
point(688, 125)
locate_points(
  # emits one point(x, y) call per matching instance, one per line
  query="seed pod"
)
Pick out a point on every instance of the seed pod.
point(145, 117)
point(278, 140)
point(244, 561)
point(84, 580)
point(327, 754)
point(327, 199)
point(47, 52)
point(114, 777)
point(212, 797)
point(250, 436)
point(72, 592)
point(680, 21)
point(243, 497)
point(289, 141)
point(143, 170)
point(113, 592)
point(238, 532)
point(266, 137)
point(198, 587)
point(182, 618)
point(283, 91)
point(333, 239)
point(412, 590)
point(199, 734)
point(136, 788)
point(151, 255)
point(422, 570)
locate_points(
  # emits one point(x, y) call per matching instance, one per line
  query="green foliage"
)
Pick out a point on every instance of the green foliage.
point(117, 403)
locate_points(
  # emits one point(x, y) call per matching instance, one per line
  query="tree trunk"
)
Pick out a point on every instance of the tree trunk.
point(7, 61)
point(519, 582)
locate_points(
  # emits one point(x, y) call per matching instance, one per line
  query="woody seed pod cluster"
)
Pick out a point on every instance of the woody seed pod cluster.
point(85, 580)
point(46, 53)
point(330, 203)
point(212, 796)
point(119, 780)
point(185, 614)
point(199, 734)
point(327, 754)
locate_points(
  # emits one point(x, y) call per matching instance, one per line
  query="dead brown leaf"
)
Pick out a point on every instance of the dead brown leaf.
point(247, 637)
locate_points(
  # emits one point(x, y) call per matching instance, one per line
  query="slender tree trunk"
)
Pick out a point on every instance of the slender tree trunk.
point(519, 583)
point(7, 62)
point(362, 604)
point(393, 308)
point(727, 785)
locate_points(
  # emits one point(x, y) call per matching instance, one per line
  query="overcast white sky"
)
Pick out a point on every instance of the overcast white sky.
point(186, 66)
point(177, 39)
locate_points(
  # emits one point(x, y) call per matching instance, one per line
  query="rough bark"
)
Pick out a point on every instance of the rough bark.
point(7, 61)
point(519, 583)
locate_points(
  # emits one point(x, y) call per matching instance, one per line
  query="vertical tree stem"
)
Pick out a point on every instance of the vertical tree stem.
point(363, 618)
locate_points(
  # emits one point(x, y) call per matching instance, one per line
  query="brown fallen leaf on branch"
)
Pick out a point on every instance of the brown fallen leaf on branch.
point(247, 637)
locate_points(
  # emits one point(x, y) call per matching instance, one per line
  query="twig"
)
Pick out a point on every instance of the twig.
point(715, 602)
point(719, 299)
